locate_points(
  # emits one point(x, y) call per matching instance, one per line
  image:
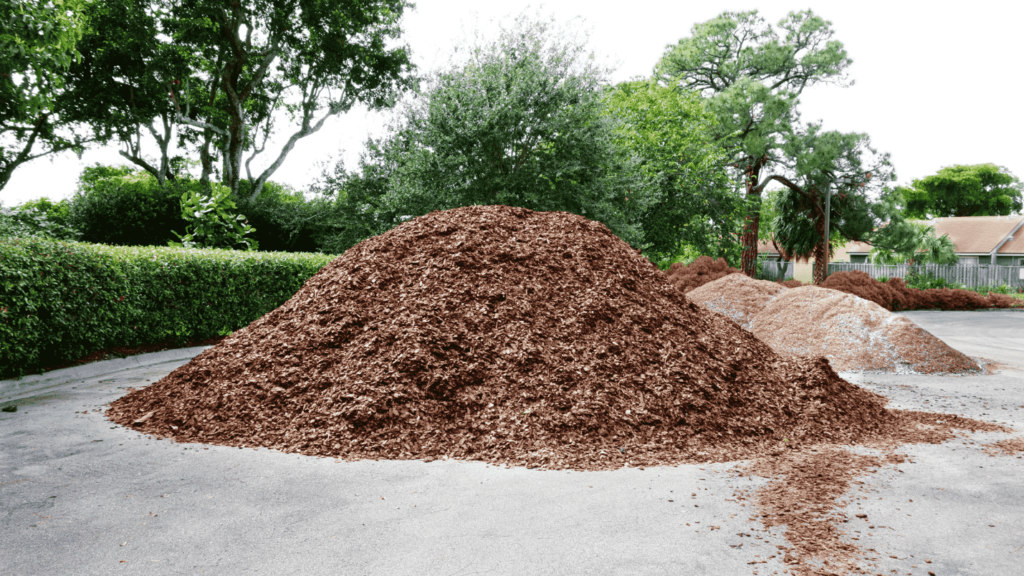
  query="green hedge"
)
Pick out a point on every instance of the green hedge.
point(62, 300)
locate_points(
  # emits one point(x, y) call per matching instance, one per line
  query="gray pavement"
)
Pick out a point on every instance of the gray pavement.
point(80, 495)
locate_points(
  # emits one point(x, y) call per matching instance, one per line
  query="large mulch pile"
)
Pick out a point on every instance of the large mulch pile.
point(508, 336)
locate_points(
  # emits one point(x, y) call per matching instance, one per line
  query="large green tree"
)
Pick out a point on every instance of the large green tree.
point(520, 122)
point(753, 78)
point(671, 134)
point(315, 58)
point(959, 190)
point(847, 167)
point(37, 44)
point(120, 85)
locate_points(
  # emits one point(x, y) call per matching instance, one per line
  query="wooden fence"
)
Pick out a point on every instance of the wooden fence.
point(774, 270)
point(969, 276)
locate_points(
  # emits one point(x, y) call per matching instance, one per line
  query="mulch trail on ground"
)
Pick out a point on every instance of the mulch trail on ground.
point(809, 483)
point(504, 335)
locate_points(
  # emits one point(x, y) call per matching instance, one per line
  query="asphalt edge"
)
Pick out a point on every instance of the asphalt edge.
point(93, 369)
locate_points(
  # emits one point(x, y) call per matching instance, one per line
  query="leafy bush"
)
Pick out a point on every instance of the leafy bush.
point(928, 281)
point(125, 207)
point(37, 218)
point(1001, 289)
point(285, 221)
point(212, 224)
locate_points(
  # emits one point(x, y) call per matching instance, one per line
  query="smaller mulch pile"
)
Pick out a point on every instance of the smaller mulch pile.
point(853, 333)
point(895, 296)
point(687, 277)
point(736, 296)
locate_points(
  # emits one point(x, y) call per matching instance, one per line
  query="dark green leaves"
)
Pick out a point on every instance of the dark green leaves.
point(975, 190)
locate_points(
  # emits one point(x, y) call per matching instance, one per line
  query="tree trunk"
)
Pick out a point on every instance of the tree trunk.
point(821, 254)
point(748, 262)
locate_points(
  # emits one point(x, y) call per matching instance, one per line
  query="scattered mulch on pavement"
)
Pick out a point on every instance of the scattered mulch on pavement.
point(808, 483)
point(1011, 447)
point(508, 336)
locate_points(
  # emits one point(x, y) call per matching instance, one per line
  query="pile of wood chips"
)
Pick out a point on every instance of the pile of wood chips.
point(853, 333)
point(500, 334)
point(540, 339)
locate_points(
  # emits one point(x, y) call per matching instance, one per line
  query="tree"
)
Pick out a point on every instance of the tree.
point(120, 85)
point(37, 44)
point(845, 165)
point(670, 132)
point(959, 190)
point(521, 123)
point(926, 249)
point(752, 79)
point(329, 53)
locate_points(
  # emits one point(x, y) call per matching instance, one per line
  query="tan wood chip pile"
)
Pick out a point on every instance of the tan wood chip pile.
point(737, 296)
point(851, 332)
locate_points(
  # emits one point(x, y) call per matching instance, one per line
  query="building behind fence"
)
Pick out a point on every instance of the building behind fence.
point(969, 276)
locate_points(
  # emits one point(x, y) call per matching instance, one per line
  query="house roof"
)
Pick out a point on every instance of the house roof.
point(976, 234)
point(1015, 246)
point(971, 234)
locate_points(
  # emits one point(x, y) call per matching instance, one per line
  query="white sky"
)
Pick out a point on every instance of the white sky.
point(937, 83)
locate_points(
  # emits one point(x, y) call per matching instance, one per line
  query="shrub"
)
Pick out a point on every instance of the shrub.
point(928, 280)
point(125, 207)
point(698, 273)
point(285, 221)
point(37, 218)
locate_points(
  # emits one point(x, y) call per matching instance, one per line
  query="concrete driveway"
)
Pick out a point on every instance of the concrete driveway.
point(79, 495)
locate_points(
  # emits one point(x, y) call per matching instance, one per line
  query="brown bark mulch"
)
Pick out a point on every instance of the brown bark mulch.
point(533, 339)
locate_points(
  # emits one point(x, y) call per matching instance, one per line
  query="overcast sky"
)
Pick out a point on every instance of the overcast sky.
point(936, 83)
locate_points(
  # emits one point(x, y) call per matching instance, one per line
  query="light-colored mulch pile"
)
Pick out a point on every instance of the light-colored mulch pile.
point(853, 333)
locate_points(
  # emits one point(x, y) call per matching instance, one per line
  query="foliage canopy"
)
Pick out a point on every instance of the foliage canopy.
point(519, 122)
point(964, 190)
point(670, 133)
point(753, 78)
